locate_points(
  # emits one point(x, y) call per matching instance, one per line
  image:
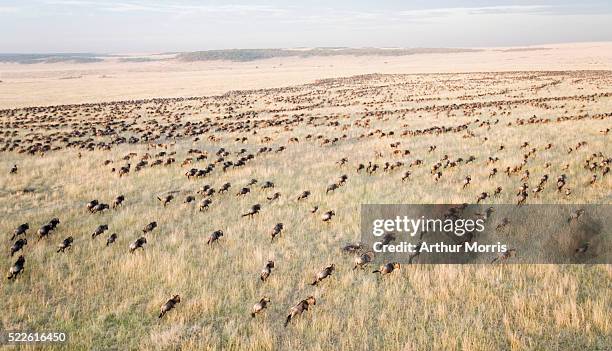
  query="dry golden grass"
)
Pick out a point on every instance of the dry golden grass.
point(107, 298)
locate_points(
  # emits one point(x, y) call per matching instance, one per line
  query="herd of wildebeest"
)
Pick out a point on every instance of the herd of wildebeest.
point(243, 127)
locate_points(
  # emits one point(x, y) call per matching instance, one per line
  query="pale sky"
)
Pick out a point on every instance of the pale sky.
point(125, 26)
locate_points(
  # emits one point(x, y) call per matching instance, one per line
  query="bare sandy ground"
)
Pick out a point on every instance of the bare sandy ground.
point(64, 83)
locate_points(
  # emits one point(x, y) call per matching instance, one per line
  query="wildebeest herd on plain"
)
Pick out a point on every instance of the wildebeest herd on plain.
point(239, 213)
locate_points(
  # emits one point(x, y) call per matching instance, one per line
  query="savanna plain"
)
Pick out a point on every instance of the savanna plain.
point(306, 156)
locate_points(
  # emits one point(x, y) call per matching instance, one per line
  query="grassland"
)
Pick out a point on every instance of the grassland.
point(106, 298)
point(148, 76)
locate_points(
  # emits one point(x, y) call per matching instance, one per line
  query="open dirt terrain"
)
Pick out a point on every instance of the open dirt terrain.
point(235, 180)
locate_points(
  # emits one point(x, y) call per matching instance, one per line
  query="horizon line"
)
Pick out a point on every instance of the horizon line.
point(172, 52)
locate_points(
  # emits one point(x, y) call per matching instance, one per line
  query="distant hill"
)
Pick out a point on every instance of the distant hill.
point(138, 59)
point(243, 55)
point(50, 58)
point(235, 55)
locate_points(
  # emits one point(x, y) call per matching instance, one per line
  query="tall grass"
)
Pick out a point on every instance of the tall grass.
point(107, 298)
